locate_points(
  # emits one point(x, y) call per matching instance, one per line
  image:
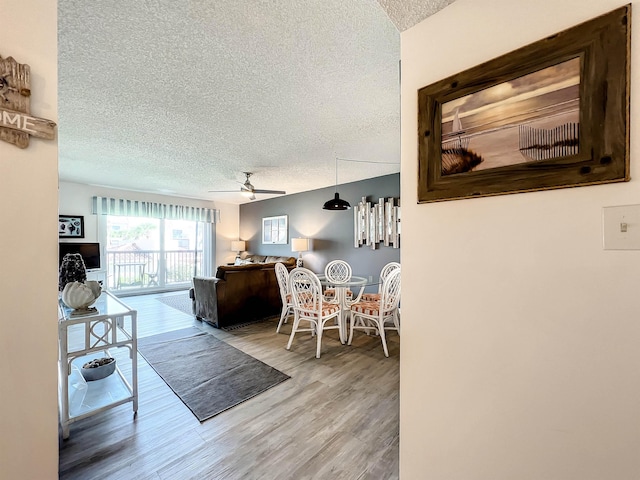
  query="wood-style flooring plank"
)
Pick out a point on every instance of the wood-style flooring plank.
point(336, 417)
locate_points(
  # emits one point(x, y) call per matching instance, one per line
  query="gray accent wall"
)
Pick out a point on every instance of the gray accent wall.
point(331, 231)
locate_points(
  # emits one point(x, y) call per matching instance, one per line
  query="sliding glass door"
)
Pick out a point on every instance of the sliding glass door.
point(150, 254)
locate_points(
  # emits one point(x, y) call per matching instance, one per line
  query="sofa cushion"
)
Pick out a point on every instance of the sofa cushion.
point(222, 271)
point(284, 260)
point(240, 261)
point(253, 258)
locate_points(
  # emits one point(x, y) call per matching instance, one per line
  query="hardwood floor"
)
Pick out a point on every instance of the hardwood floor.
point(337, 417)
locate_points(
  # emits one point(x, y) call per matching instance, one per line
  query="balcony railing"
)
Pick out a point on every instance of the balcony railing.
point(149, 269)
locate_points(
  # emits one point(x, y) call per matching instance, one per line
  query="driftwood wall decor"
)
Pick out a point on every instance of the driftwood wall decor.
point(16, 122)
point(377, 223)
point(552, 114)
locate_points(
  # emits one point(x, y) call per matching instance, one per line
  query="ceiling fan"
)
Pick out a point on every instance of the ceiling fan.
point(249, 190)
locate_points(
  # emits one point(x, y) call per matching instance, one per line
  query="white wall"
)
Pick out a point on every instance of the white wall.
point(227, 230)
point(520, 342)
point(75, 199)
point(28, 257)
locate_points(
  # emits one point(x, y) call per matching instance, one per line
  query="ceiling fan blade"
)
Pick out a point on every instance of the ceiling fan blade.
point(249, 190)
point(275, 192)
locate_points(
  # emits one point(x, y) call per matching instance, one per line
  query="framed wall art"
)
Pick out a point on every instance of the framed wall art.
point(275, 230)
point(378, 223)
point(70, 226)
point(552, 114)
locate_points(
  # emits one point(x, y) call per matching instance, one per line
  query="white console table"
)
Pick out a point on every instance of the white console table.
point(111, 331)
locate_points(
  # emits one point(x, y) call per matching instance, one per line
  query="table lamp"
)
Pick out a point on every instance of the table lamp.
point(299, 245)
point(238, 246)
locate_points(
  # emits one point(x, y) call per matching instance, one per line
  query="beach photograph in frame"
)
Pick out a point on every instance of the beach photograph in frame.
point(531, 118)
point(552, 114)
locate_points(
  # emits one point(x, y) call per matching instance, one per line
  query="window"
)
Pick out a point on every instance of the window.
point(155, 254)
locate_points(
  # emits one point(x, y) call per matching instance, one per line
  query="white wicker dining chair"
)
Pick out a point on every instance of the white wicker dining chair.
point(337, 271)
point(309, 306)
point(381, 315)
point(282, 274)
point(386, 270)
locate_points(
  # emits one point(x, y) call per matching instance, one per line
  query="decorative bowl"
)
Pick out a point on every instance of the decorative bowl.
point(98, 368)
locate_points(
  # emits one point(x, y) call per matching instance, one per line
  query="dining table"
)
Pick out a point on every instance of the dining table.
point(344, 300)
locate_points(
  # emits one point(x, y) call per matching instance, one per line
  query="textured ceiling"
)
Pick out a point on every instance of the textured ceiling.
point(181, 97)
point(406, 13)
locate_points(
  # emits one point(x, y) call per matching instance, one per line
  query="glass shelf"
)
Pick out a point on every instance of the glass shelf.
point(96, 394)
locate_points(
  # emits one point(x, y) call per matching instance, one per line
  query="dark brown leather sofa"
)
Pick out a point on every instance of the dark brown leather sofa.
point(239, 293)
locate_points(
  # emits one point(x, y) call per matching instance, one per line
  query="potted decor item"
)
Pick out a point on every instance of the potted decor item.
point(98, 368)
point(72, 269)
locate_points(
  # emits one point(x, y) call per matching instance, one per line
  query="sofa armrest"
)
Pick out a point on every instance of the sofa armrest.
point(205, 298)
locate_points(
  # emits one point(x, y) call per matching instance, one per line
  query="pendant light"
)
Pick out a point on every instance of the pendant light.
point(336, 203)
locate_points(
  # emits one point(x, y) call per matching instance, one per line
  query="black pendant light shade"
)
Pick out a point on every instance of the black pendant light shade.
point(336, 203)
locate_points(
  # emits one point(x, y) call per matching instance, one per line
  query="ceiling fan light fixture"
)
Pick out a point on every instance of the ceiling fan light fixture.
point(336, 203)
point(249, 191)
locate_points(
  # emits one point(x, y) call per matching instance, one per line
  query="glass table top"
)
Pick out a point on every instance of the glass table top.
point(355, 281)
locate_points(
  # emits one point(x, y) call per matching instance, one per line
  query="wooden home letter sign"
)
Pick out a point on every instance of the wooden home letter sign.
point(16, 124)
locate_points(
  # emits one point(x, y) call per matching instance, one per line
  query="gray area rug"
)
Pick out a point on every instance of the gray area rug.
point(209, 375)
point(179, 301)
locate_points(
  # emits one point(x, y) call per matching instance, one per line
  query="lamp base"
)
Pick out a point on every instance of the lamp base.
point(299, 262)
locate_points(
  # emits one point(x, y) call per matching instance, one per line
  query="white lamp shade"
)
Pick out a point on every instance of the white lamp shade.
point(299, 244)
point(238, 245)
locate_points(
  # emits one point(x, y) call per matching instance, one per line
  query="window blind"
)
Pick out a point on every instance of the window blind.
point(137, 208)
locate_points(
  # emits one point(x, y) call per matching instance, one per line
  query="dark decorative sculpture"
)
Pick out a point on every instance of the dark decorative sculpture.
point(72, 269)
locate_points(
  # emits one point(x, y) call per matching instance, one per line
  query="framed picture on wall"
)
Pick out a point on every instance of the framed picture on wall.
point(552, 114)
point(275, 230)
point(70, 226)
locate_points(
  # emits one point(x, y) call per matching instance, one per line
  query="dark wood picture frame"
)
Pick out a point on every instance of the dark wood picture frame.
point(70, 226)
point(599, 150)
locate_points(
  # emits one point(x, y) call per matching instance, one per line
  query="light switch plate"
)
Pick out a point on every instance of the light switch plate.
point(621, 227)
